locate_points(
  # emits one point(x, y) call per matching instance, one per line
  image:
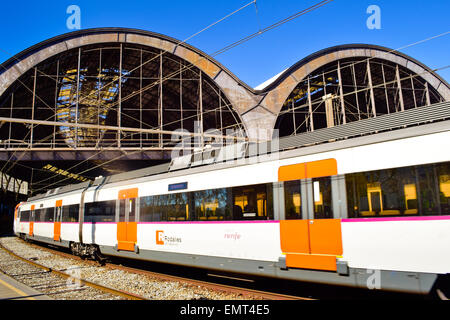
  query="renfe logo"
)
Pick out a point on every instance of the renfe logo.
point(160, 237)
point(232, 235)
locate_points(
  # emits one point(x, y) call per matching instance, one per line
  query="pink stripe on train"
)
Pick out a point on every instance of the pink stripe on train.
point(209, 222)
point(420, 218)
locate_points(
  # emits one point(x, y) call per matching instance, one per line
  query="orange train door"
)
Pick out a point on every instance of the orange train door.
point(31, 223)
point(127, 224)
point(57, 221)
point(311, 243)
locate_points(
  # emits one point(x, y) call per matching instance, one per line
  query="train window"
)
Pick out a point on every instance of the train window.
point(428, 190)
point(399, 193)
point(146, 209)
point(47, 214)
point(419, 190)
point(25, 216)
point(160, 207)
point(33, 214)
point(122, 214)
point(381, 193)
point(444, 187)
point(103, 211)
point(37, 215)
point(127, 210)
point(177, 207)
point(131, 203)
point(250, 202)
point(292, 200)
point(70, 213)
point(212, 205)
point(322, 198)
point(253, 202)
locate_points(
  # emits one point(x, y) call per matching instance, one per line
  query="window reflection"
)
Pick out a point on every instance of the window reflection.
point(250, 202)
point(292, 200)
point(322, 198)
point(212, 205)
point(103, 211)
point(253, 202)
point(177, 207)
point(47, 214)
point(70, 213)
point(419, 190)
point(444, 187)
point(25, 216)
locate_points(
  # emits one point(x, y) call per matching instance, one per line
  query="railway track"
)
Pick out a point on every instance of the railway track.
point(222, 291)
point(67, 283)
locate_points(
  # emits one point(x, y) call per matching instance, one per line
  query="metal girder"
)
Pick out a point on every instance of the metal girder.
point(127, 129)
point(51, 155)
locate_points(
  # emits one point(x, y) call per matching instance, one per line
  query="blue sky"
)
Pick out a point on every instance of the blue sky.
point(339, 22)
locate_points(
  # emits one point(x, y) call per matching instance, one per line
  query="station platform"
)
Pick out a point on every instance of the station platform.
point(11, 289)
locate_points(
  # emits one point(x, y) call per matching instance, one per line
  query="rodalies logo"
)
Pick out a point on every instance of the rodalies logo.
point(162, 239)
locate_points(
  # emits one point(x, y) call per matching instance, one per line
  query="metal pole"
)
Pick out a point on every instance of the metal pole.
point(201, 107)
point(311, 122)
point(56, 102)
point(399, 85)
point(99, 97)
point(140, 100)
point(10, 124)
point(372, 97)
point(293, 118)
point(160, 111)
point(356, 91)
point(119, 110)
point(341, 93)
point(33, 105)
point(78, 96)
point(181, 96)
point(413, 92)
point(427, 94)
point(385, 90)
point(220, 111)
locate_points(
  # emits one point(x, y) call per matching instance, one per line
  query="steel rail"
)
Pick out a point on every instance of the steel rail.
point(113, 291)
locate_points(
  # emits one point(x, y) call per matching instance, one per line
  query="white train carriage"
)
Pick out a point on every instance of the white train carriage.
point(372, 211)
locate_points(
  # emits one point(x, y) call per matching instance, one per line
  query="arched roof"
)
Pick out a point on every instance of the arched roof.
point(258, 109)
point(98, 35)
point(315, 60)
point(276, 92)
point(44, 59)
point(235, 90)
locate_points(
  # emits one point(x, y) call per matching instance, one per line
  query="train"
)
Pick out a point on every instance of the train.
point(368, 212)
